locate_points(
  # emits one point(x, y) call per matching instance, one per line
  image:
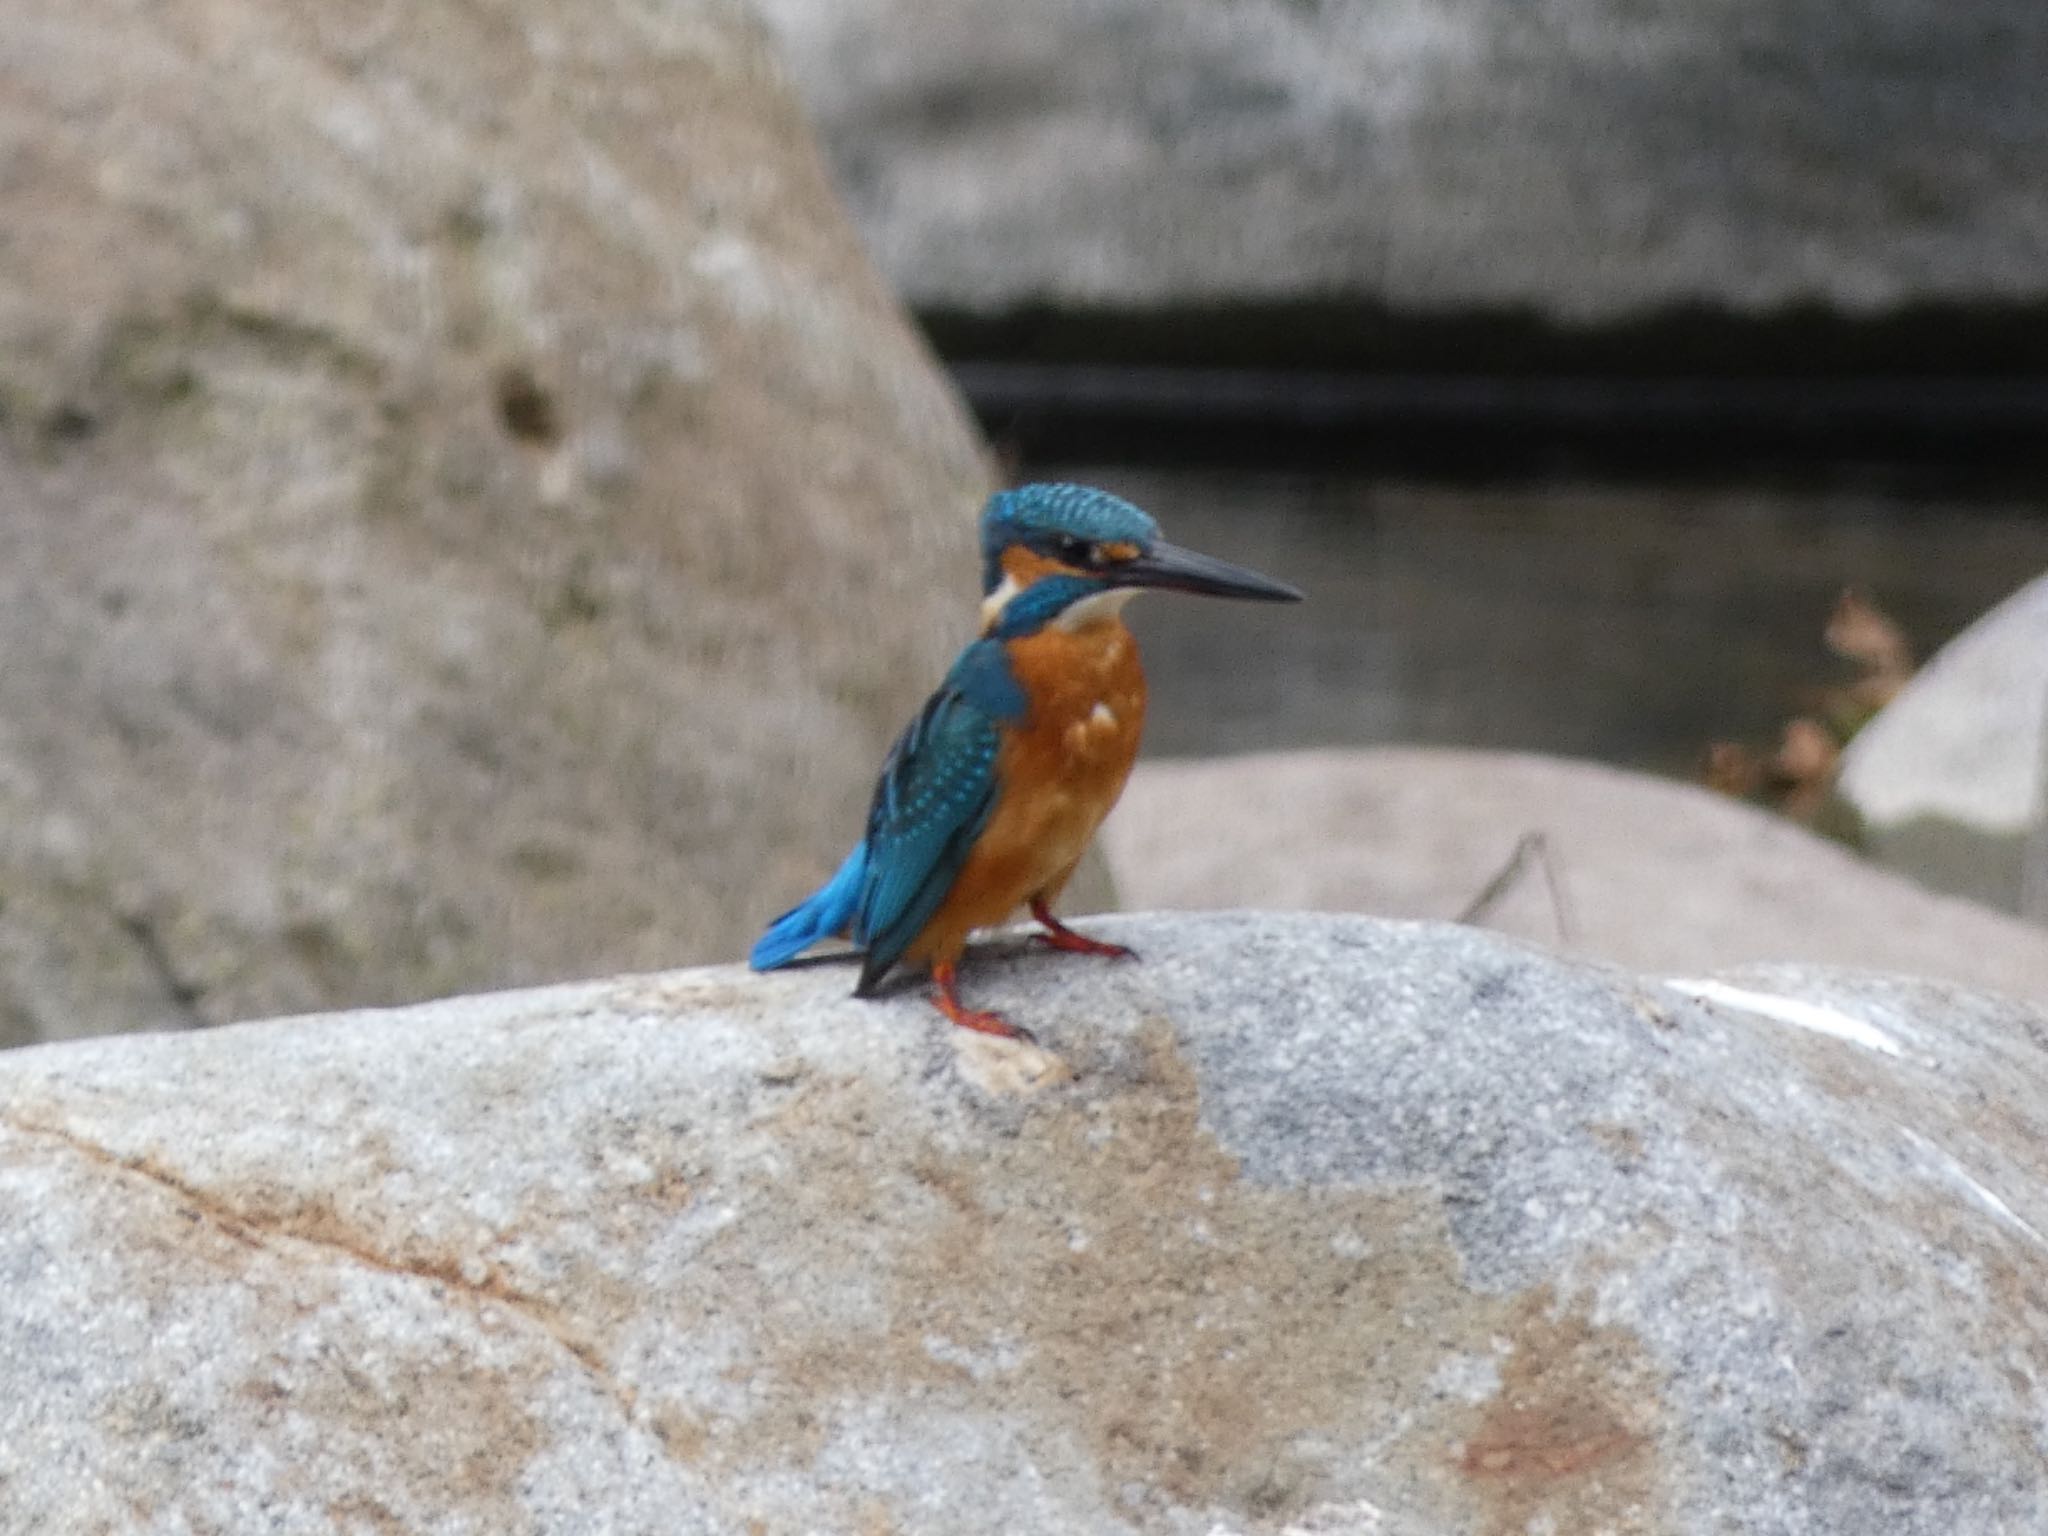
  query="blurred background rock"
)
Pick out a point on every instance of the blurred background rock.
point(1574, 161)
point(465, 501)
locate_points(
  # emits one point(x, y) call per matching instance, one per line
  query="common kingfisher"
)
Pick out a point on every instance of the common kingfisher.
point(988, 799)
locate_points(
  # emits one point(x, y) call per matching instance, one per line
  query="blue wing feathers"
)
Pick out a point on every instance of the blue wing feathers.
point(936, 792)
point(936, 795)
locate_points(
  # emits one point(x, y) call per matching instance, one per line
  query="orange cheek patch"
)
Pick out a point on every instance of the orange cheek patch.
point(1120, 551)
point(1024, 566)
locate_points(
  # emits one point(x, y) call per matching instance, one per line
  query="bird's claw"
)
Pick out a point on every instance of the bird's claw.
point(980, 1020)
point(985, 1023)
point(1059, 936)
point(1069, 942)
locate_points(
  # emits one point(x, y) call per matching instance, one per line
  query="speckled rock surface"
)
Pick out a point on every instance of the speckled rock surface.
point(443, 450)
point(1642, 871)
point(1951, 777)
point(1343, 1226)
point(1587, 159)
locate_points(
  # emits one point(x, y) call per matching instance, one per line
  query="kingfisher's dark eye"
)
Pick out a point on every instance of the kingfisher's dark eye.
point(1075, 551)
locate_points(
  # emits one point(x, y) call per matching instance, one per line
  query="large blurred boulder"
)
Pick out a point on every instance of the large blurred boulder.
point(469, 513)
point(1951, 777)
point(1633, 869)
point(1345, 1228)
point(1578, 160)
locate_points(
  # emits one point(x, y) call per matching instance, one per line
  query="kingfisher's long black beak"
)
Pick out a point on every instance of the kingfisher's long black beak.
point(1174, 569)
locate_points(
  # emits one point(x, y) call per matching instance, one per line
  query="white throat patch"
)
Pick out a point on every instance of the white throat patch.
point(1095, 610)
point(993, 605)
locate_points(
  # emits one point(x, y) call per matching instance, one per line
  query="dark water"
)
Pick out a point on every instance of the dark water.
point(1629, 624)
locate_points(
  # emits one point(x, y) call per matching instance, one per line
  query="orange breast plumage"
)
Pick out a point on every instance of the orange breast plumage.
point(1060, 771)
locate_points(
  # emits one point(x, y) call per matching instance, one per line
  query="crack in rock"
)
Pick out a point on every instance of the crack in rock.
point(282, 1239)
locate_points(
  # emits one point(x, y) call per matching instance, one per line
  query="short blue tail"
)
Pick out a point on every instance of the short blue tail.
point(824, 915)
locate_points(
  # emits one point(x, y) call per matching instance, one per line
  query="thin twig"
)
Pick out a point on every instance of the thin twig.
point(1532, 846)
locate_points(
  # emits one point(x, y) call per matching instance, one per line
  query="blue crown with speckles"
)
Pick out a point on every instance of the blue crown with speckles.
point(1041, 515)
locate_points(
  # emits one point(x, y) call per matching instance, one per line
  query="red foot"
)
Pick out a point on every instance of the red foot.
point(947, 1001)
point(1060, 936)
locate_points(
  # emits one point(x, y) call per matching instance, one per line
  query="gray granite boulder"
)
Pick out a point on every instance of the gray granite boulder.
point(472, 513)
point(1951, 777)
point(1312, 1224)
point(1580, 160)
point(1642, 871)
